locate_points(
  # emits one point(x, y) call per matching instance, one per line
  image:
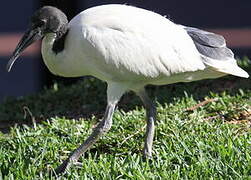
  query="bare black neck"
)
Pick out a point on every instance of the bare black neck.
point(59, 43)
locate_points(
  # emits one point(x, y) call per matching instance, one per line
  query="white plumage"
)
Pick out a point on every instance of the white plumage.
point(122, 43)
point(127, 47)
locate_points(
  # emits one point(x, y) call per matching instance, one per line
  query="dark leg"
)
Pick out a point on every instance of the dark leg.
point(114, 92)
point(150, 118)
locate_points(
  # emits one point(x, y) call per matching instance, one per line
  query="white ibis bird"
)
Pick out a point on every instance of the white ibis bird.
point(129, 48)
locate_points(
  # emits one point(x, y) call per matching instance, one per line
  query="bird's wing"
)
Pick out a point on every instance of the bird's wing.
point(148, 49)
point(210, 44)
point(146, 53)
point(214, 51)
point(138, 41)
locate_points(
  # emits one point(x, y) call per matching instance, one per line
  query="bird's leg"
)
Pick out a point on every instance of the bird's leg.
point(150, 119)
point(102, 128)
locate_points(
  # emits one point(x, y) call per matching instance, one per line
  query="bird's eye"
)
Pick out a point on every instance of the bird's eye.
point(40, 23)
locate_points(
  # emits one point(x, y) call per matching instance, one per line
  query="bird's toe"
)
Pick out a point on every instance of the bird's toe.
point(62, 168)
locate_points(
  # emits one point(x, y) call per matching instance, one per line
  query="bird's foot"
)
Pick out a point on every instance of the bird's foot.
point(63, 167)
point(78, 164)
point(147, 154)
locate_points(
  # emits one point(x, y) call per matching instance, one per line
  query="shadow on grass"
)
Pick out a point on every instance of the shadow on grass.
point(88, 97)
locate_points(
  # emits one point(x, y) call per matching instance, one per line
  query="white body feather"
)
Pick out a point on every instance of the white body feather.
point(119, 43)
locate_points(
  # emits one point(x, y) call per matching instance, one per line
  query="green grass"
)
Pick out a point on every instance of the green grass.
point(211, 142)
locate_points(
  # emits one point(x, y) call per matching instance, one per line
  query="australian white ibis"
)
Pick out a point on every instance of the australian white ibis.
point(129, 48)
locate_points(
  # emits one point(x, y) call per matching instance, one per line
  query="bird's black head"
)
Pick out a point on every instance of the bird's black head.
point(45, 20)
point(49, 19)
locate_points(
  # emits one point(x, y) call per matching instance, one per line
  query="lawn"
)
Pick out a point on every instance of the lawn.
point(203, 132)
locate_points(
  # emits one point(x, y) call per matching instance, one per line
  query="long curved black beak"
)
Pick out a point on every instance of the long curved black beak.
point(28, 38)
